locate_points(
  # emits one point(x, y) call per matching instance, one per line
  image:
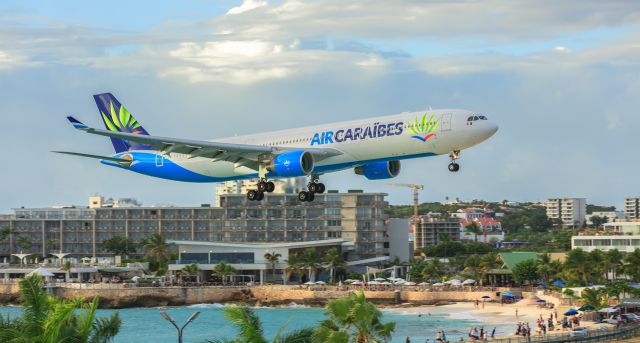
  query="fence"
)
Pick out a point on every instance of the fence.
point(604, 335)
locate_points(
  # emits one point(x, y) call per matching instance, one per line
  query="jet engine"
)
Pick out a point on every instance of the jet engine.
point(379, 170)
point(294, 163)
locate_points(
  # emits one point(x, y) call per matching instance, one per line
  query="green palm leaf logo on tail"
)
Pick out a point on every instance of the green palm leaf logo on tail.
point(424, 128)
point(121, 121)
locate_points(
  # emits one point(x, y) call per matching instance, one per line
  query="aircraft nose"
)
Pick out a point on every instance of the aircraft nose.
point(493, 128)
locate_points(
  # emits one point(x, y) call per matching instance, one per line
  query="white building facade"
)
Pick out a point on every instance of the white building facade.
point(570, 211)
point(632, 207)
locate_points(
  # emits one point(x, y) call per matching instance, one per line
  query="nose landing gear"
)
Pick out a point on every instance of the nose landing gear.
point(453, 166)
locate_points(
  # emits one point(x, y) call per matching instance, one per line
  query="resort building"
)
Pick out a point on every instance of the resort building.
point(570, 211)
point(623, 243)
point(632, 207)
point(279, 218)
point(503, 276)
point(432, 229)
point(249, 258)
point(490, 230)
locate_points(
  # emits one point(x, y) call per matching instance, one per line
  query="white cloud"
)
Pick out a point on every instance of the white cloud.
point(246, 6)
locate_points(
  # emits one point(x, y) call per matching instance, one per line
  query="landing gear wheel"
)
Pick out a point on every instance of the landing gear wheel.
point(253, 195)
point(311, 196)
point(270, 187)
point(321, 188)
point(454, 167)
point(313, 187)
point(260, 196)
point(262, 186)
point(304, 196)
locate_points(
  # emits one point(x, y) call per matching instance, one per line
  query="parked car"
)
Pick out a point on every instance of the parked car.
point(630, 318)
point(579, 331)
point(611, 320)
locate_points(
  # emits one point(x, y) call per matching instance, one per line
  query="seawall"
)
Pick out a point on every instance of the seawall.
point(116, 296)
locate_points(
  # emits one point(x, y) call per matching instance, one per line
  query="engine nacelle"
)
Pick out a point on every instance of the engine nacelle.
point(294, 163)
point(379, 170)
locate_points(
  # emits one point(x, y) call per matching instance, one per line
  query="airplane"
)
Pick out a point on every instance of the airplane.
point(373, 147)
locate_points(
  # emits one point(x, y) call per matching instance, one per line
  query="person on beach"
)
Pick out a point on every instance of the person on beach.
point(516, 313)
point(493, 332)
point(408, 340)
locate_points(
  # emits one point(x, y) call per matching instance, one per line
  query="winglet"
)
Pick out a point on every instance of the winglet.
point(77, 124)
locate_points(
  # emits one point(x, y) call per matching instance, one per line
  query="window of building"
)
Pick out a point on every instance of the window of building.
point(334, 222)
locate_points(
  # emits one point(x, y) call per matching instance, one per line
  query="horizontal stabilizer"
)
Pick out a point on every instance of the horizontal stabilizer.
point(77, 124)
point(106, 158)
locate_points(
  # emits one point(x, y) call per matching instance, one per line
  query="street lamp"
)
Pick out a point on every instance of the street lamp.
point(166, 316)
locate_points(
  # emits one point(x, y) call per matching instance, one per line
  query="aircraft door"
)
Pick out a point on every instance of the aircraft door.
point(445, 122)
point(159, 160)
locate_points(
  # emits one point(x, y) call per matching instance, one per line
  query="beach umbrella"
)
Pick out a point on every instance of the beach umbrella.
point(558, 283)
point(356, 282)
point(374, 282)
point(409, 284)
point(586, 308)
point(438, 284)
point(424, 284)
point(571, 312)
point(386, 283)
point(608, 310)
point(379, 279)
point(541, 301)
point(321, 283)
point(468, 282)
point(309, 283)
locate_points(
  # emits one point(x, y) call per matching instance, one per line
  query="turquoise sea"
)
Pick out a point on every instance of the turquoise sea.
point(141, 325)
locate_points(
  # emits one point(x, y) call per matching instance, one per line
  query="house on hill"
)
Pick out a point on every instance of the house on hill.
point(502, 276)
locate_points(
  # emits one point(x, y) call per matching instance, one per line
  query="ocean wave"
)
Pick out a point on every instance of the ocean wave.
point(214, 305)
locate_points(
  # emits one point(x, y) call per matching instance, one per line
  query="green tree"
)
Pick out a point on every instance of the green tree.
point(632, 265)
point(157, 249)
point(473, 229)
point(119, 245)
point(66, 268)
point(614, 259)
point(273, 258)
point(525, 271)
point(593, 297)
point(597, 265)
point(250, 329)
point(190, 270)
point(433, 270)
point(310, 260)
point(24, 243)
point(46, 319)
point(223, 270)
point(488, 262)
point(473, 266)
point(333, 260)
point(294, 266)
point(353, 319)
point(576, 266)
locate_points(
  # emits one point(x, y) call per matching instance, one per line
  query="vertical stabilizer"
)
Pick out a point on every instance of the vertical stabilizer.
point(116, 118)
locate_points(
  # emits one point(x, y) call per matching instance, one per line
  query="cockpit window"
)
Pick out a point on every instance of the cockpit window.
point(475, 118)
point(482, 117)
point(470, 118)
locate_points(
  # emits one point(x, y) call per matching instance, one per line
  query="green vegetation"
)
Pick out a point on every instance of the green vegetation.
point(223, 270)
point(46, 319)
point(353, 319)
point(119, 245)
point(157, 251)
point(333, 260)
point(273, 258)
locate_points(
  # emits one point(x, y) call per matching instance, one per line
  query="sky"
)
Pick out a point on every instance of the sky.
point(561, 78)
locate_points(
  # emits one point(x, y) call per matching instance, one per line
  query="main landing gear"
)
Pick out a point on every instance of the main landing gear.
point(314, 186)
point(453, 166)
point(263, 186)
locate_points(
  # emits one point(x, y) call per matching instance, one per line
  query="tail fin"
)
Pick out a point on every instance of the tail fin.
point(116, 118)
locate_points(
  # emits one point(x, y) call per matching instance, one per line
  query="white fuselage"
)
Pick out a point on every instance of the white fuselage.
point(396, 141)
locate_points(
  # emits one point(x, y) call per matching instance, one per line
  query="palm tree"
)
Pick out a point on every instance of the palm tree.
point(273, 258)
point(632, 265)
point(488, 262)
point(576, 266)
point(614, 262)
point(569, 293)
point(190, 270)
point(294, 266)
point(157, 249)
point(433, 270)
point(473, 229)
point(353, 319)
point(593, 297)
point(250, 329)
point(310, 260)
point(472, 266)
point(333, 259)
point(24, 243)
point(48, 319)
point(66, 267)
point(223, 270)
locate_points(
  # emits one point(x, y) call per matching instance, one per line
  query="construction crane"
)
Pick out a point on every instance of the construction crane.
point(415, 187)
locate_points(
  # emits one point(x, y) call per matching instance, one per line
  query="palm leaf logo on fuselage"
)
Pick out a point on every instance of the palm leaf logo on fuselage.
point(424, 129)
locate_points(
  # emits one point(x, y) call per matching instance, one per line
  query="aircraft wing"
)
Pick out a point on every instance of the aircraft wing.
point(240, 154)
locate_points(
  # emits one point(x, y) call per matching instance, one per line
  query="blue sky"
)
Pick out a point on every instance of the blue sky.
point(561, 79)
